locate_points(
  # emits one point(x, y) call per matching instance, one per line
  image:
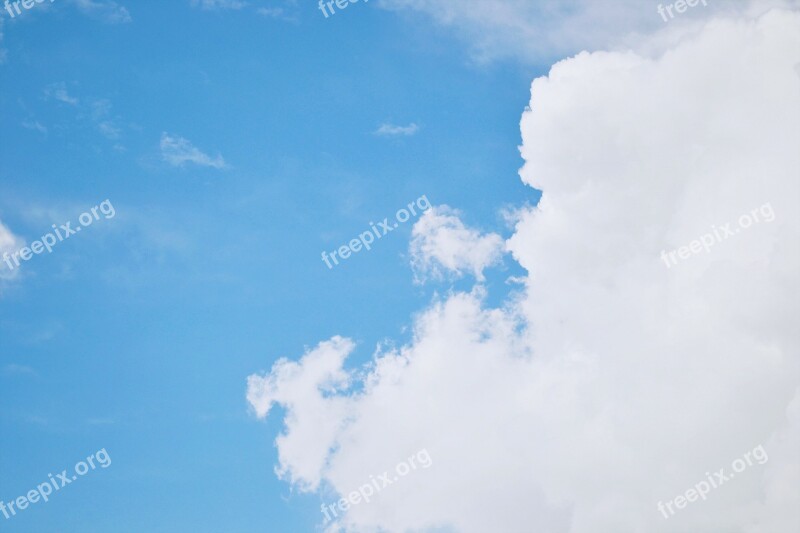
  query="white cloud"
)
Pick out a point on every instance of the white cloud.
point(177, 151)
point(58, 91)
point(9, 243)
point(211, 5)
point(548, 29)
point(441, 244)
point(391, 129)
point(612, 383)
point(106, 10)
point(304, 386)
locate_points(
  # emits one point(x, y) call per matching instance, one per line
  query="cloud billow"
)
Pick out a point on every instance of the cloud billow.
point(611, 383)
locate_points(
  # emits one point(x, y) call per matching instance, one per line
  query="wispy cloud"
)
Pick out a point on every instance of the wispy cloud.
point(17, 370)
point(100, 421)
point(34, 125)
point(2, 50)
point(279, 13)
point(35, 420)
point(275, 12)
point(532, 31)
point(58, 91)
point(107, 11)
point(108, 129)
point(101, 109)
point(393, 130)
point(96, 110)
point(177, 151)
point(212, 5)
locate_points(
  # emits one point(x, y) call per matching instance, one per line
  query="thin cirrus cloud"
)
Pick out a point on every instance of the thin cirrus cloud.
point(13, 369)
point(101, 116)
point(550, 29)
point(394, 130)
point(106, 11)
point(3, 51)
point(97, 110)
point(177, 151)
point(58, 91)
point(285, 12)
point(34, 125)
point(610, 383)
point(533, 30)
point(213, 5)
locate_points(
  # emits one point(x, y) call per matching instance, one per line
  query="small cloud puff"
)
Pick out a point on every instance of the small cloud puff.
point(441, 243)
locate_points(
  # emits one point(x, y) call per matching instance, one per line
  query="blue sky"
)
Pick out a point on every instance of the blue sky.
point(136, 334)
point(523, 334)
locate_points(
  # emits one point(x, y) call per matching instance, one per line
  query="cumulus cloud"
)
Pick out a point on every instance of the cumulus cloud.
point(178, 151)
point(393, 130)
point(306, 387)
point(107, 11)
point(612, 382)
point(442, 244)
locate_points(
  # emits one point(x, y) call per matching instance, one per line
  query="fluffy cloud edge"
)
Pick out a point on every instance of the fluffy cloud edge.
point(577, 406)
